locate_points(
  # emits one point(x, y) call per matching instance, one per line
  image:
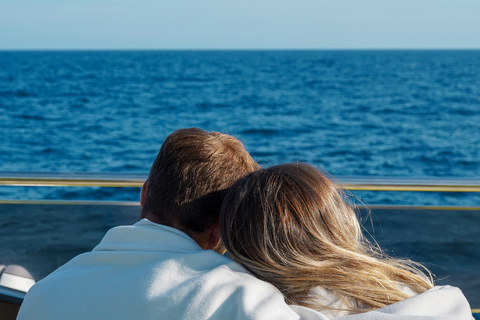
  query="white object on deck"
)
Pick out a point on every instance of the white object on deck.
point(16, 277)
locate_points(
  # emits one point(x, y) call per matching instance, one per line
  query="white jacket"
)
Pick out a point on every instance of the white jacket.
point(150, 271)
point(438, 303)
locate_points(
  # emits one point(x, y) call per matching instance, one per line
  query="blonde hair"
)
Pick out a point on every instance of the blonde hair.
point(290, 226)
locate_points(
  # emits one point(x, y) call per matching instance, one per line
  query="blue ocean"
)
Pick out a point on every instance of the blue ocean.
point(350, 113)
point(361, 113)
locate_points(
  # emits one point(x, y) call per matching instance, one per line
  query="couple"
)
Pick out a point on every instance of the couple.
point(296, 250)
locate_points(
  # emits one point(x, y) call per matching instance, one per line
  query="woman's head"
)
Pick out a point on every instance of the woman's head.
point(287, 215)
point(287, 210)
point(289, 225)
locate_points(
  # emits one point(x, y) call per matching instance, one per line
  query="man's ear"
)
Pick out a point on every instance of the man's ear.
point(214, 236)
point(143, 193)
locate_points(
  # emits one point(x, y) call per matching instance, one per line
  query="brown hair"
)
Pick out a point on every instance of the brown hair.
point(290, 226)
point(190, 175)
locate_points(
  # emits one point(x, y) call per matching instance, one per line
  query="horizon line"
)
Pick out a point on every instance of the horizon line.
point(240, 49)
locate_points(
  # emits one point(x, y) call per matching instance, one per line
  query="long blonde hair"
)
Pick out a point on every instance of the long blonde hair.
point(290, 226)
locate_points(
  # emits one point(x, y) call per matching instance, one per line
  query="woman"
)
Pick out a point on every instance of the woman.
point(290, 226)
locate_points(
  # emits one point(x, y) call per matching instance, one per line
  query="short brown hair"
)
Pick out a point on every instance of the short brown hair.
point(190, 176)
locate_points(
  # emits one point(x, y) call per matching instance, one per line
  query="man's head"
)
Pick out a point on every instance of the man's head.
point(190, 176)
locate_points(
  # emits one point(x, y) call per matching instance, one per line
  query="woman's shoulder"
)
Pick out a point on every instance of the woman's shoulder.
point(329, 304)
point(407, 290)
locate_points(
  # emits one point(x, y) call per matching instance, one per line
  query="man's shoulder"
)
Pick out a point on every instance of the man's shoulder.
point(146, 236)
point(171, 278)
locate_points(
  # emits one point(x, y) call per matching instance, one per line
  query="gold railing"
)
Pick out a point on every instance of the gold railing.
point(72, 179)
point(409, 184)
point(81, 179)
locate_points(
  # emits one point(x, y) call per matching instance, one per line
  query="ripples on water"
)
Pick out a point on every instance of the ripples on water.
point(373, 113)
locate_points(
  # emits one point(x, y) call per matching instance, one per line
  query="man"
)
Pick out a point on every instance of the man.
point(162, 266)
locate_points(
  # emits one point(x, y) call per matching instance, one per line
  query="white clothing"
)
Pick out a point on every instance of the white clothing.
point(150, 271)
point(334, 305)
point(321, 297)
point(438, 303)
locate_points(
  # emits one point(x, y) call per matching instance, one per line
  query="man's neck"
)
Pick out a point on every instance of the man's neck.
point(201, 239)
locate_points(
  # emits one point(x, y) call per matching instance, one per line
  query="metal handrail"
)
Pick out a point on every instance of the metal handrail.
point(72, 179)
point(73, 202)
point(110, 179)
point(409, 184)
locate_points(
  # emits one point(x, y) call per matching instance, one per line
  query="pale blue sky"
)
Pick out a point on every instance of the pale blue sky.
point(239, 24)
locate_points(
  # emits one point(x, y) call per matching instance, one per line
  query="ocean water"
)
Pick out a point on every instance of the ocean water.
point(357, 113)
point(368, 113)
